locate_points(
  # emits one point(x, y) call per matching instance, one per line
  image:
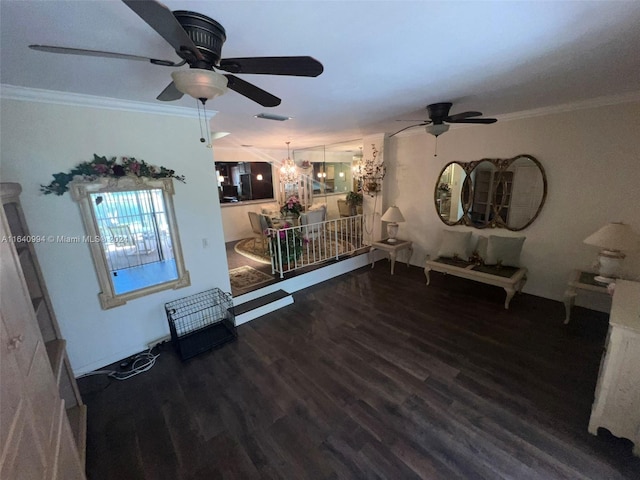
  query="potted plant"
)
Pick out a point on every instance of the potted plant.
point(292, 208)
point(286, 245)
point(354, 200)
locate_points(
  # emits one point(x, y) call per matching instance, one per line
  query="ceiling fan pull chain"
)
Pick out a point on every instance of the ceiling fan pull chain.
point(200, 122)
point(435, 149)
point(206, 123)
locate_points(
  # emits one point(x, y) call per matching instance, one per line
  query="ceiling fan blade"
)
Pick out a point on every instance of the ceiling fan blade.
point(162, 20)
point(100, 53)
point(410, 126)
point(460, 116)
point(252, 92)
point(476, 120)
point(296, 66)
point(170, 93)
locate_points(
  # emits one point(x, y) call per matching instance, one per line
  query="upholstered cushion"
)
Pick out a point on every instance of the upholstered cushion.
point(481, 247)
point(504, 250)
point(455, 244)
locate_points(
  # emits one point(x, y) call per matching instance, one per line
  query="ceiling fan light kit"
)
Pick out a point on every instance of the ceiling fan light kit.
point(437, 129)
point(199, 83)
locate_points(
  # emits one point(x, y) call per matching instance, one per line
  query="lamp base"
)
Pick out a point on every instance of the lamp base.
point(392, 231)
point(609, 266)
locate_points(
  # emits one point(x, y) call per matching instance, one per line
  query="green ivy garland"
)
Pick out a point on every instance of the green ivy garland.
point(104, 167)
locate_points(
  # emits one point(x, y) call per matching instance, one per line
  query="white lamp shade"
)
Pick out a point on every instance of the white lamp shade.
point(617, 237)
point(393, 214)
point(437, 129)
point(199, 83)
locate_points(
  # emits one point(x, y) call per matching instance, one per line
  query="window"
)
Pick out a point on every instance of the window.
point(244, 181)
point(132, 234)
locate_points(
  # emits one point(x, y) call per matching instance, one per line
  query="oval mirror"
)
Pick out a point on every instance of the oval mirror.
point(484, 176)
point(452, 193)
point(524, 190)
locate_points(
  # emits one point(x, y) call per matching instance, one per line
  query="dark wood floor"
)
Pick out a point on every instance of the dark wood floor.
point(370, 376)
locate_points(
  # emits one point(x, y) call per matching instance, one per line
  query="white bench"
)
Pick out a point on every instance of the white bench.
point(512, 279)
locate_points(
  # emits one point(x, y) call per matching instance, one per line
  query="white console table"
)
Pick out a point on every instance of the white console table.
point(617, 398)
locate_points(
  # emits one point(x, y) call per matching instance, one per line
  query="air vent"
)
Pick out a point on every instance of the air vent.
point(272, 116)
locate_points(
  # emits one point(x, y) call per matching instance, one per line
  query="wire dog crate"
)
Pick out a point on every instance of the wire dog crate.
point(201, 322)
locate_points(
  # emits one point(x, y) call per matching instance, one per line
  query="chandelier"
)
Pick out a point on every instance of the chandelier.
point(369, 172)
point(288, 170)
point(357, 166)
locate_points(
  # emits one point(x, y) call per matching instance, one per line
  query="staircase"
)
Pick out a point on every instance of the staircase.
point(268, 299)
point(249, 307)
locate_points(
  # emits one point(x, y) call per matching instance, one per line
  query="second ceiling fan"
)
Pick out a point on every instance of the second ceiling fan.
point(197, 40)
point(439, 119)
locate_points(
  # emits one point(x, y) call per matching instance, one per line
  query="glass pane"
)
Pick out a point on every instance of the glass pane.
point(135, 236)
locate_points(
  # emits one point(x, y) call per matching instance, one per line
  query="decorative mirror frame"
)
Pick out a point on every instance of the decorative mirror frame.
point(81, 192)
point(501, 166)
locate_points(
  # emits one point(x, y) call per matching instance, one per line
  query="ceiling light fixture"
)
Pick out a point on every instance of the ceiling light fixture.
point(199, 83)
point(437, 129)
point(288, 170)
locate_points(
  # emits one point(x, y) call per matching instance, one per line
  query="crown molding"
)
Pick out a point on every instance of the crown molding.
point(597, 102)
point(12, 92)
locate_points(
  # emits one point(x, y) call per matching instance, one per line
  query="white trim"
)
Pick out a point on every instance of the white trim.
point(12, 92)
point(570, 107)
point(300, 282)
point(263, 310)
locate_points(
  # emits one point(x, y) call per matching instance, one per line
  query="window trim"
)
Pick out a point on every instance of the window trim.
point(80, 192)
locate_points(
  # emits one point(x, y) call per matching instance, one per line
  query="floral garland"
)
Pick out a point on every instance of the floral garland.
point(104, 167)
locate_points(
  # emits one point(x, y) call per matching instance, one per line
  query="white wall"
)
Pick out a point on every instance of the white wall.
point(592, 163)
point(39, 139)
point(590, 156)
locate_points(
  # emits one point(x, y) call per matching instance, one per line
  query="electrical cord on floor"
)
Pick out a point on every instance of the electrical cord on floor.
point(137, 364)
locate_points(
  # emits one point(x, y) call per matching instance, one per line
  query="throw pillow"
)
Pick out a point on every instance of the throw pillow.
point(504, 251)
point(455, 244)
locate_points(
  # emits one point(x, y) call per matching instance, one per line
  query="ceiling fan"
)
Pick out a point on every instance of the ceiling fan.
point(198, 40)
point(439, 114)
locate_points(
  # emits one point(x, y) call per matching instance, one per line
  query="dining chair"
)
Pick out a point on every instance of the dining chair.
point(259, 224)
point(312, 222)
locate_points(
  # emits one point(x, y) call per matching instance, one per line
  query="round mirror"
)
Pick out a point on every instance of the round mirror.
point(452, 193)
point(523, 192)
point(484, 176)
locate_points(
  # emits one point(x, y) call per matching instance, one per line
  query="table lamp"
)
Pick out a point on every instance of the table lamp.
point(393, 216)
point(614, 239)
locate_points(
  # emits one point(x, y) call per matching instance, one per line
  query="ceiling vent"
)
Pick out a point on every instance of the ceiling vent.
point(272, 116)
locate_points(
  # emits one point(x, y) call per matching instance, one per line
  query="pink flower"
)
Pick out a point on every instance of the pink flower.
point(135, 167)
point(101, 168)
point(283, 234)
